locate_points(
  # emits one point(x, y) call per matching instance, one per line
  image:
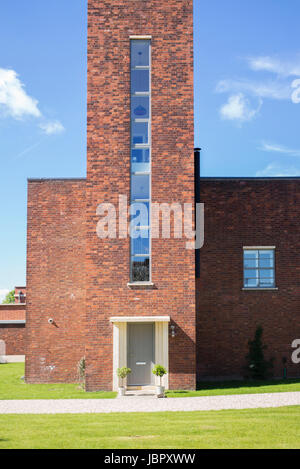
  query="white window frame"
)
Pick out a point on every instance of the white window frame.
point(260, 248)
point(138, 146)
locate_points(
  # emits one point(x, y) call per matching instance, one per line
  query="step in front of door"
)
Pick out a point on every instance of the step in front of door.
point(141, 388)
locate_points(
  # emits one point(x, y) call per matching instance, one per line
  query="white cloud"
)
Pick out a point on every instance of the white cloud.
point(277, 148)
point(279, 88)
point(238, 109)
point(14, 101)
point(275, 65)
point(276, 170)
point(53, 127)
point(3, 293)
point(270, 89)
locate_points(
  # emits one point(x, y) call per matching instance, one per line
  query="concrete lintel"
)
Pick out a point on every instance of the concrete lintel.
point(140, 319)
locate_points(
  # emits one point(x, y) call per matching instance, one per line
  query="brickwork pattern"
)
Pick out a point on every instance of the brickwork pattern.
point(14, 338)
point(247, 213)
point(55, 280)
point(12, 312)
point(110, 25)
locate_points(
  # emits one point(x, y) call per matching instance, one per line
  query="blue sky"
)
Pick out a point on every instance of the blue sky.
point(247, 99)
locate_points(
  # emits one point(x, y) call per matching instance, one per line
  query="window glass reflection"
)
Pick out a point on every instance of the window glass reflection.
point(139, 133)
point(140, 107)
point(140, 186)
point(139, 81)
point(140, 53)
point(140, 160)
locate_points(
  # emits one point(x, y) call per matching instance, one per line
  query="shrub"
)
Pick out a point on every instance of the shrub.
point(81, 371)
point(257, 366)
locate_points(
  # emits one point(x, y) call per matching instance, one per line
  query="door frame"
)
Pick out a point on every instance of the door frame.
point(161, 345)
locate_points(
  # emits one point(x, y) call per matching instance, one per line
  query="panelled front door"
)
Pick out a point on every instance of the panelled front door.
point(140, 353)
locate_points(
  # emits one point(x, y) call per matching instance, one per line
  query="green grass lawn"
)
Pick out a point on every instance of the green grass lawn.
point(256, 428)
point(239, 387)
point(13, 387)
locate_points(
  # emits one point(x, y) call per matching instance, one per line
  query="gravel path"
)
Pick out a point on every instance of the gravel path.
point(148, 404)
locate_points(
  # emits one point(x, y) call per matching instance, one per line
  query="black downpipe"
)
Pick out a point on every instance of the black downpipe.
point(197, 201)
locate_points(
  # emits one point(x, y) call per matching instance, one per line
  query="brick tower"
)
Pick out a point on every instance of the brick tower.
point(140, 295)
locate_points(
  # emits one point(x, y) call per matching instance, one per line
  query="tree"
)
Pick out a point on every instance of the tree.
point(10, 298)
point(257, 366)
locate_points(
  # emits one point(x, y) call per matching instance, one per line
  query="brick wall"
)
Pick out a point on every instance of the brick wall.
point(13, 334)
point(55, 279)
point(14, 338)
point(247, 213)
point(110, 25)
point(12, 312)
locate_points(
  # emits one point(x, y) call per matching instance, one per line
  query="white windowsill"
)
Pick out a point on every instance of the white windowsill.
point(140, 285)
point(259, 289)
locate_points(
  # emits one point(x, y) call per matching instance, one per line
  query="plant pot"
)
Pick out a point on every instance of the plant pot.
point(160, 390)
point(121, 391)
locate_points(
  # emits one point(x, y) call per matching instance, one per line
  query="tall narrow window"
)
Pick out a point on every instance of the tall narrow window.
point(140, 159)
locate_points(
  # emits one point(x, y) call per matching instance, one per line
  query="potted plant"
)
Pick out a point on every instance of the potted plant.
point(159, 371)
point(123, 373)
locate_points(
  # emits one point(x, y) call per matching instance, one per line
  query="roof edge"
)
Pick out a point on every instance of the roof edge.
point(10, 305)
point(271, 178)
point(55, 179)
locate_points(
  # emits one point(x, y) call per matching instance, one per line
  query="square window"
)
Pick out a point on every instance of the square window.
point(259, 268)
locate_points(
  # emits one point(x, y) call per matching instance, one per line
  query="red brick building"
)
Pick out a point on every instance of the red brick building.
point(117, 301)
point(12, 326)
point(243, 216)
